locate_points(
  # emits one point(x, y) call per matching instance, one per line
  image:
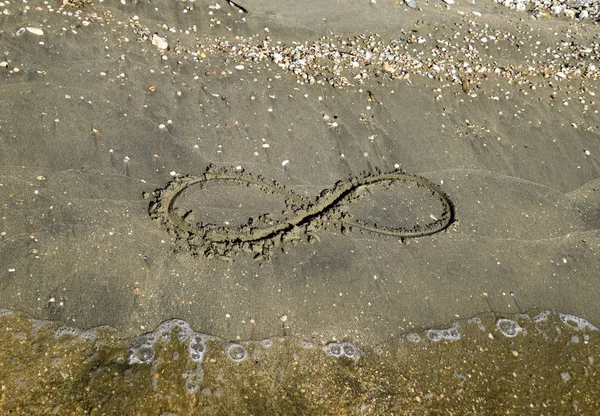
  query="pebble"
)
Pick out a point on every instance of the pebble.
point(342, 61)
point(580, 9)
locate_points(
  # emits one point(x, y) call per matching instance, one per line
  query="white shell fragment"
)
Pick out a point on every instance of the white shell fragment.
point(411, 3)
point(33, 30)
point(160, 43)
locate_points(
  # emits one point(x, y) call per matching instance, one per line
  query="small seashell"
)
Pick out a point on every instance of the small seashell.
point(389, 68)
point(449, 1)
point(35, 30)
point(160, 43)
point(277, 57)
point(411, 3)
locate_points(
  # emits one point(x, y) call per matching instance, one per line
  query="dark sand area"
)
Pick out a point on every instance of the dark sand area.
point(497, 109)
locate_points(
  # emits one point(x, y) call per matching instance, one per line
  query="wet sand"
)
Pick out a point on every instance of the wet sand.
point(104, 104)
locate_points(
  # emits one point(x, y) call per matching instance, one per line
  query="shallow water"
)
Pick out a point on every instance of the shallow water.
point(541, 362)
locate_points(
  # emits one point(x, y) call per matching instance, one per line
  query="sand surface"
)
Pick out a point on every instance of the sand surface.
point(94, 115)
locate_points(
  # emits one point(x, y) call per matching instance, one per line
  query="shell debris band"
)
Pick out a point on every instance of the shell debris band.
point(303, 216)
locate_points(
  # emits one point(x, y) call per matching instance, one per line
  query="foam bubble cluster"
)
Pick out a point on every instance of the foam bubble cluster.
point(450, 334)
point(142, 349)
point(142, 346)
point(344, 349)
point(413, 337)
point(197, 347)
point(542, 317)
point(193, 379)
point(476, 320)
point(576, 322)
point(508, 327)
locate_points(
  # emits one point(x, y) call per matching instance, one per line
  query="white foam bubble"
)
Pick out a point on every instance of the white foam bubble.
point(349, 350)
point(413, 337)
point(67, 331)
point(7, 312)
point(165, 329)
point(236, 353)
point(542, 317)
point(308, 344)
point(267, 343)
point(141, 355)
point(334, 349)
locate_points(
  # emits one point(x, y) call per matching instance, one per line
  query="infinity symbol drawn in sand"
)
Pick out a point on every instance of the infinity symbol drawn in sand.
point(303, 216)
